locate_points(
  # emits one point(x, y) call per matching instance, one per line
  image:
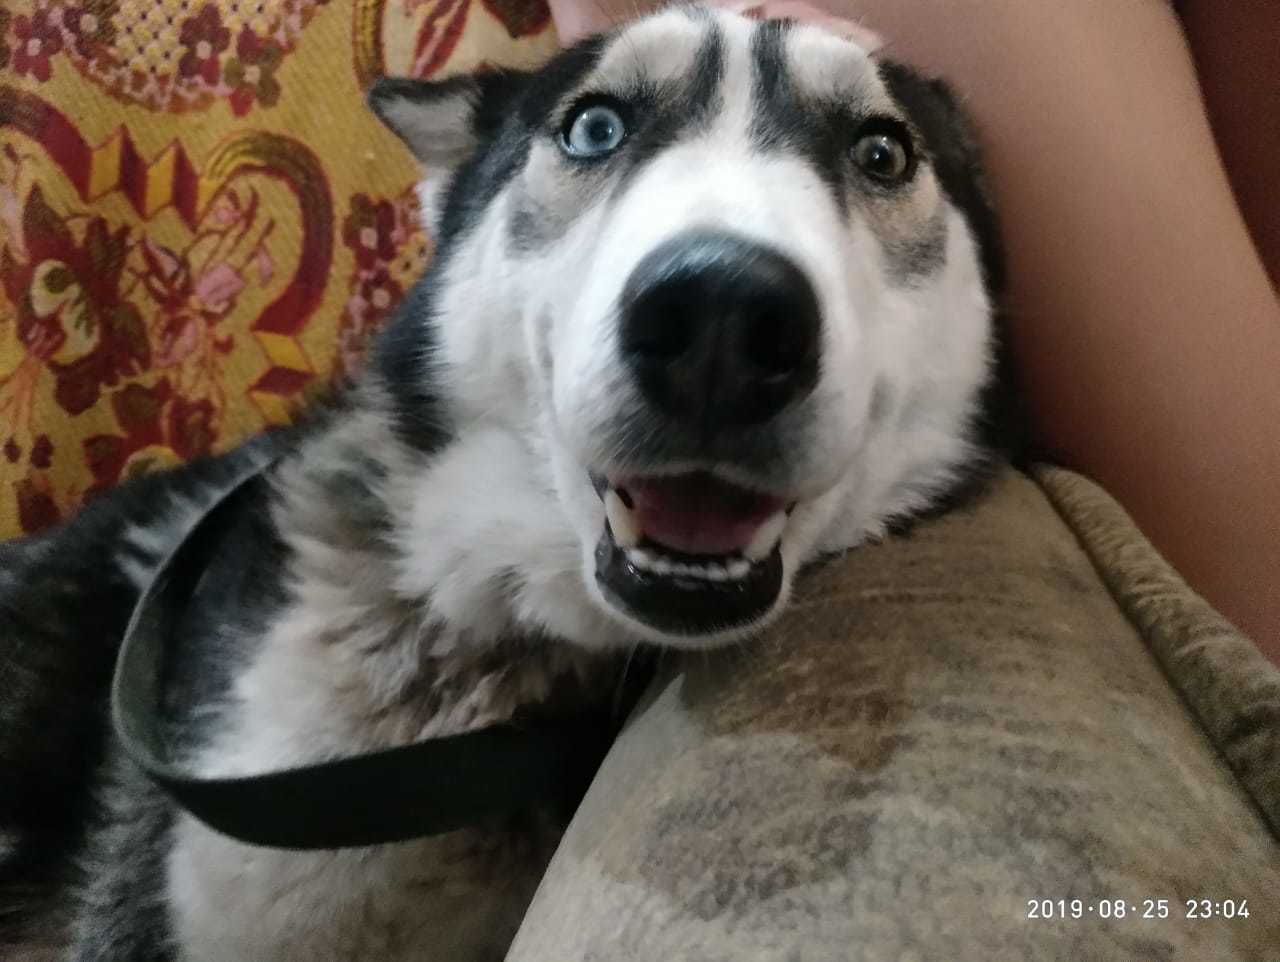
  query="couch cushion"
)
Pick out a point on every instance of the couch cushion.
point(943, 729)
point(1226, 681)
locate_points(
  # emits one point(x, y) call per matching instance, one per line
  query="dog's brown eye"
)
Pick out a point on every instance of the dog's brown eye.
point(883, 156)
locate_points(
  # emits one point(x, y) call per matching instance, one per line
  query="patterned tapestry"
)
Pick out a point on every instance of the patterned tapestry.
point(200, 222)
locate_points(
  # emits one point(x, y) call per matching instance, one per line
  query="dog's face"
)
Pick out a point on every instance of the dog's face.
point(732, 277)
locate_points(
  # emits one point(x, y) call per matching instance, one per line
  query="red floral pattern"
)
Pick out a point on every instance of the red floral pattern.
point(252, 72)
point(370, 231)
point(166, 286)
point(70, 316)
point(204, 38)
point(97, 305)
point(175, 55)
point(91, 26)
point(390, 250)
point(159, 428)
point(37, 39)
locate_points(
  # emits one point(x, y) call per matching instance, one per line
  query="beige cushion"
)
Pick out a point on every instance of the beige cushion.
point(943, 728)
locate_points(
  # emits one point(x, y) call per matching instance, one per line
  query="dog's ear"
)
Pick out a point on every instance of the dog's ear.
point(443, 121)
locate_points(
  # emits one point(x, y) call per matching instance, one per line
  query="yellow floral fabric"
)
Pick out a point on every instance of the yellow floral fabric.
point(200, 222)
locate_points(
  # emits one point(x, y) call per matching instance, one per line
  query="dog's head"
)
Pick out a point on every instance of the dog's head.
point(734, 278)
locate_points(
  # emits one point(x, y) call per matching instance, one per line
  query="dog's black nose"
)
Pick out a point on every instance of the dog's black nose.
point(719, 331)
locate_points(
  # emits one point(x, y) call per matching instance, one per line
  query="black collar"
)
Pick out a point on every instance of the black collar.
point(386, 796)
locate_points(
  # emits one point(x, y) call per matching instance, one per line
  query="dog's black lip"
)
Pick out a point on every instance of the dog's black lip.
point(681, 605)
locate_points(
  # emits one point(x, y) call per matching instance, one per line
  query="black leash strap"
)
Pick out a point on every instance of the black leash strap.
point(386, 796)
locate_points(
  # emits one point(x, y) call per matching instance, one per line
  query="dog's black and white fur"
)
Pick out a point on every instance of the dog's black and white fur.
point(452, 541)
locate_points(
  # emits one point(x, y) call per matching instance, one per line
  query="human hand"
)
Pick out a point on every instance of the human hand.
point(577, 19)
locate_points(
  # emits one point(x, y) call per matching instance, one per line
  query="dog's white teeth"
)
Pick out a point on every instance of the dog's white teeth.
point(641, 559)
point(649, 561)
point(625, 532)
point(768, 535)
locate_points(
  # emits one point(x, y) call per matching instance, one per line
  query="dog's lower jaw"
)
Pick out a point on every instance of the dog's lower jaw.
point(398, 626)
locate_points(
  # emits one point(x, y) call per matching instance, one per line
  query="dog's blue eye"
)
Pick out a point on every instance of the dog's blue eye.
point(594, 131)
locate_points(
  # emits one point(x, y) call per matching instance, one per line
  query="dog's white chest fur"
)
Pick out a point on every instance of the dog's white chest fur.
point(455, 896)
point(460, 894)
point(356, 661)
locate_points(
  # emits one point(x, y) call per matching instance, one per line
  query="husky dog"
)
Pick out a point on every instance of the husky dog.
point(712, 297)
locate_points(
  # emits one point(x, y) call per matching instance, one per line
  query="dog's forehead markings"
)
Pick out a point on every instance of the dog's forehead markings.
point(736, 83)
point(817, 66)
point(654, 50)
point(826, 66)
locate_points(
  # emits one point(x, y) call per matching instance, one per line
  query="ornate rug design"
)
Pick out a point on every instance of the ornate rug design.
point(200, 223)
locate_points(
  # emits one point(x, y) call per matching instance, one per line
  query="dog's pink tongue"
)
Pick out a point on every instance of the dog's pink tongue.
point(697, 513)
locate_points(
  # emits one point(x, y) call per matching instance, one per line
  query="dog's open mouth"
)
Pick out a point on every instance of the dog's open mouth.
point(690, 553)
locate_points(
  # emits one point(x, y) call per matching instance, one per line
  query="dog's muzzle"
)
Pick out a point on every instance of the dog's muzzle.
point(720, 335)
